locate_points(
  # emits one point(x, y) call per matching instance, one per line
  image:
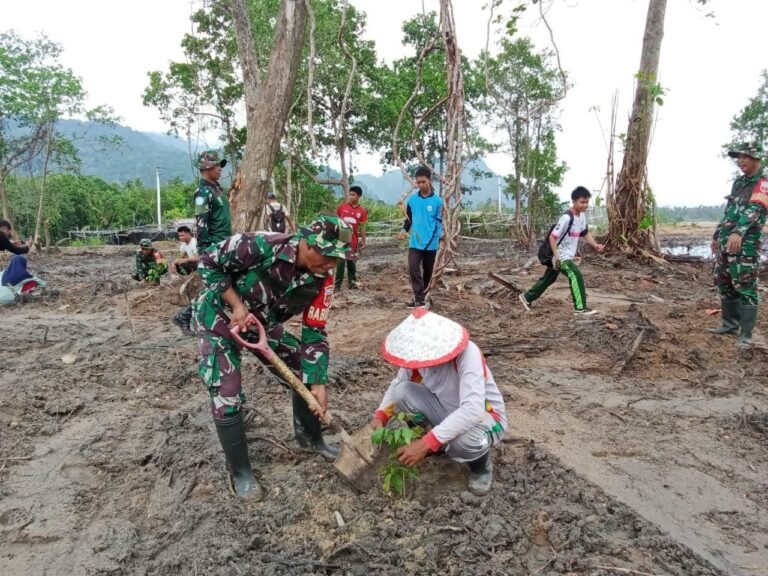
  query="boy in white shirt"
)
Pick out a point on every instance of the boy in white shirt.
point(187, 262)
point(443, 376)
point(564, 241)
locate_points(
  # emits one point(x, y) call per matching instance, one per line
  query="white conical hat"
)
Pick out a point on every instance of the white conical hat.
point(424, 339)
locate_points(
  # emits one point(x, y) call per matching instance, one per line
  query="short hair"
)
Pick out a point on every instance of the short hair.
point(184, 229)
point(580, 192)
point(356, 189)
point(424, 171)
point(5, 224)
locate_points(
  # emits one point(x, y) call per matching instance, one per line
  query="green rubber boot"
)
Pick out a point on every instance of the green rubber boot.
point(731, 313)
point(748, 321)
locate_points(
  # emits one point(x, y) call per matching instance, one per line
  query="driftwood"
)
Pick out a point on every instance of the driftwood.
point(508, 284)
point(685, 259)
point(619, 368)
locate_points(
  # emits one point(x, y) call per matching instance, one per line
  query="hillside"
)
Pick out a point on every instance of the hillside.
point(135, 158)
point(140, 152)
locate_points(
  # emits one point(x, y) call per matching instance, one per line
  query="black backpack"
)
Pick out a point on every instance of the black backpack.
point(276, 219)
point(545, 250)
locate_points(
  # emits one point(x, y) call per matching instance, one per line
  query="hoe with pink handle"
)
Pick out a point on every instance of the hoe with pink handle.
point(356, 453)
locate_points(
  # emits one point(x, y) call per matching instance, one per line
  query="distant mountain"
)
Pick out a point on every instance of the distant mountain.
point(135, 158)
point(479, 181)
point(140, 152)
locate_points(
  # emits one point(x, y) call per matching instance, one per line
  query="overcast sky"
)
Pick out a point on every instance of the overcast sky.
point(709, 66)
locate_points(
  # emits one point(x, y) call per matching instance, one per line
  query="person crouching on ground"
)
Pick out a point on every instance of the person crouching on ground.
point(150, 263)
point(443, 376)
point(564, 241)
point(274, 277)
point(186, 262)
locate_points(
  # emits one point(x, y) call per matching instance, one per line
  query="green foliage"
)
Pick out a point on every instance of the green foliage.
point(87, 241)
point(751, 123)
point(520, 103)
point(654, 88)
point(86, 202)
point(394, 474)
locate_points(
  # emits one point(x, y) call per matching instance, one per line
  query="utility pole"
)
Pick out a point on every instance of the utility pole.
point(498, 186)
point(159, 217)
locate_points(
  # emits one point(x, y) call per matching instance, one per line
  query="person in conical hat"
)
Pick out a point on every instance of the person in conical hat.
point(443, 376)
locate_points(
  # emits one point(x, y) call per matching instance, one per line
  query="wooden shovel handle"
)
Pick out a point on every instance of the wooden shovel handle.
point(286, 373)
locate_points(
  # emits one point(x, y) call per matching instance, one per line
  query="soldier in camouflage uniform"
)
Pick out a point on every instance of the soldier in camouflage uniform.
point(213, 221)
point(150, 263)
point(736, 245)
point(273, 277)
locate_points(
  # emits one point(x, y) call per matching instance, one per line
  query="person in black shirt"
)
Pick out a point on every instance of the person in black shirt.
point(13, 246)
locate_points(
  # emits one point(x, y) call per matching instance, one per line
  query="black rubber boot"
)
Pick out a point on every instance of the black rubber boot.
point(748, 321)
point(231, 433)
point(308, 430)
point(481, 475)
point(731, 315)
point(183, 319)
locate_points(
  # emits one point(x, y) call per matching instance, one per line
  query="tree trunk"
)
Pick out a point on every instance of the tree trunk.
point(267, 102)
point(41, 200)
point(4, 198)
point(454, 145)
point(630, 220)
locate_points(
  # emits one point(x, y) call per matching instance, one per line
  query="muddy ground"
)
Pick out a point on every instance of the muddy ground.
point(654, 464)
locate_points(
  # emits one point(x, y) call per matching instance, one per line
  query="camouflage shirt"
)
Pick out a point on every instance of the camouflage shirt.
point(146, 262)
point(212, 217)
point(745, 210)
point(263, 271)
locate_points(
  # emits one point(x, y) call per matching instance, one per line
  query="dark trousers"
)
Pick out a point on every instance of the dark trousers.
point(351, 268)
point(420, 265)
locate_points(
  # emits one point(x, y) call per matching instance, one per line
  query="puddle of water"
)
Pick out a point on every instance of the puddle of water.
point(698, 250)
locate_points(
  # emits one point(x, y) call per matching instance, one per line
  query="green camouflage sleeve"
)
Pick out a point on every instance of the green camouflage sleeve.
point(752, 216)
point(141, 267)
point(202, 215)
point(236, 254)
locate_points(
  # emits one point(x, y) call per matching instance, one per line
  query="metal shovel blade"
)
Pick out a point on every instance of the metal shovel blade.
point(358, 460)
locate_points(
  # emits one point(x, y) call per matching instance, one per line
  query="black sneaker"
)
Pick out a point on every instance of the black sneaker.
point(584, 312)
point(414, 304)
point(524, 302)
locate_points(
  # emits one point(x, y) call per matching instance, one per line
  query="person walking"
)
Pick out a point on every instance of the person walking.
point(564, 243)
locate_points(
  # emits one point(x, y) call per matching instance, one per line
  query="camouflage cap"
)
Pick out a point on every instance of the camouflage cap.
point(331, 236)
point(145, 243)
point(753, 149)
point(210, 158)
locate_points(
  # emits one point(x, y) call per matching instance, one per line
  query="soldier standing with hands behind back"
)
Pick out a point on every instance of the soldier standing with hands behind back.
point(736, 245)
point(212, 218)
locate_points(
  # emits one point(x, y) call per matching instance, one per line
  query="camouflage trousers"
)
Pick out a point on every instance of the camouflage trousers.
point(220, 359)
point(736, 275)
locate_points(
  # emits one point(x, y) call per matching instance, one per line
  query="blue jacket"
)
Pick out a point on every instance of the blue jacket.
point(424, 221)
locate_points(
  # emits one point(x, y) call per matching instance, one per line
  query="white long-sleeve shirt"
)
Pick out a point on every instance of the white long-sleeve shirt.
point(464, 386)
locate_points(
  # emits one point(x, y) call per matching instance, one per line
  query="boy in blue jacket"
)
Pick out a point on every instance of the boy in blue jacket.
point(424, 221)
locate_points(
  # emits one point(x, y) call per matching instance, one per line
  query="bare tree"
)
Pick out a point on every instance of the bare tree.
point(267, 101)
point(630, 206)
point(451, 179)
